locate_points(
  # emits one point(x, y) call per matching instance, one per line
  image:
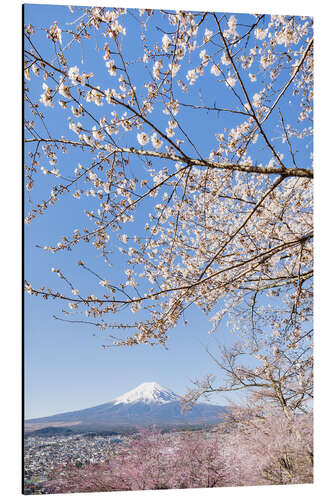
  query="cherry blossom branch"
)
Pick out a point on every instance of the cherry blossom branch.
point(255, 169)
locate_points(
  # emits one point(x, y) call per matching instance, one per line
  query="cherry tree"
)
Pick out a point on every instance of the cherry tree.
point(268, 448)
point(150, 460)
point(266, 373)
point(193, 138)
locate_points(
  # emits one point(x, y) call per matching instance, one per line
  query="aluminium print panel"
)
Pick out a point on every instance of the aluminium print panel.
point(168, 249)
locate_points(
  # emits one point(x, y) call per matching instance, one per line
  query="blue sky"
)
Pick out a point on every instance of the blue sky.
point(66, 366)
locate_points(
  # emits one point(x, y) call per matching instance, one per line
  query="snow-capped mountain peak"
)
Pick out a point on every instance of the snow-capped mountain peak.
point(148, 392)
point(147, 404)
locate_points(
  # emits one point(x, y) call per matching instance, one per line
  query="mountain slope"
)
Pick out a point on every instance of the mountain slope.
point(149, 403)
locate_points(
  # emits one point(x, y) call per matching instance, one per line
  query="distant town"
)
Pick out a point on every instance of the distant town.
point(43, 455)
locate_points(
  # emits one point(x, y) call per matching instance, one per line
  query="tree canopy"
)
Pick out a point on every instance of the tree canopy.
point(191, 134)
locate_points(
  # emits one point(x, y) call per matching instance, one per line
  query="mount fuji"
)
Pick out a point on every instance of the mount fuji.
point(149, 403)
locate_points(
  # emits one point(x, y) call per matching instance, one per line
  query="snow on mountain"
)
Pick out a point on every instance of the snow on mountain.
point(149, 393)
